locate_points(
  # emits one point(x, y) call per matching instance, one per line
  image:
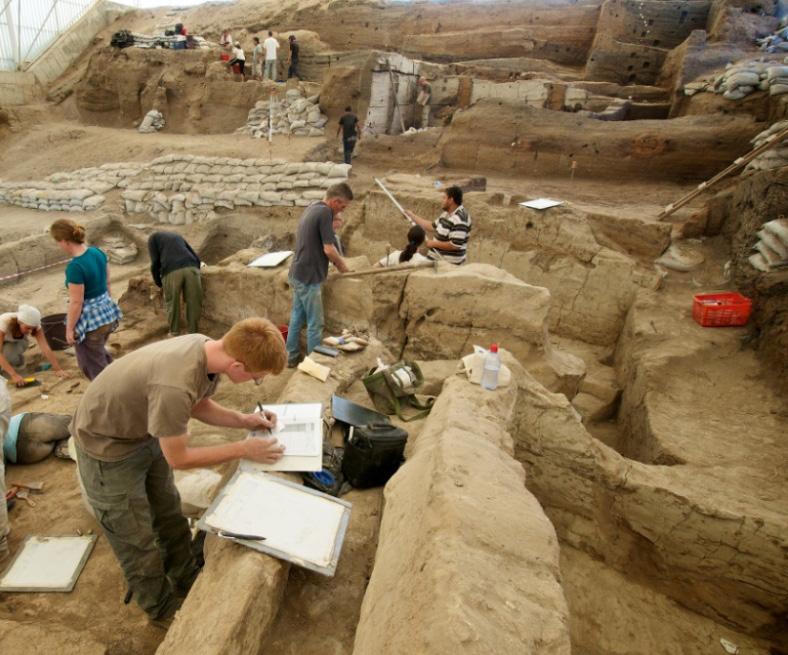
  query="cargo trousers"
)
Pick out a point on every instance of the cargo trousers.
point(139, 509)
point(184, 281)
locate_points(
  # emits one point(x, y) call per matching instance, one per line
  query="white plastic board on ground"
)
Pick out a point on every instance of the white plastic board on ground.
point(271, 259)
point(48, 564)
point(300, 525)
point(541, 203)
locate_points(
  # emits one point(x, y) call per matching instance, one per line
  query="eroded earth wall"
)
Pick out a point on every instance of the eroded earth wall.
point(463, 545)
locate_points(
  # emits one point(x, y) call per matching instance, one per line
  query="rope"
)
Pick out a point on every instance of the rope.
point(13, 276)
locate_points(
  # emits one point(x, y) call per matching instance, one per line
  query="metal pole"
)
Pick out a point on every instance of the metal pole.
point(40, 29)
point(9, 20)
point(19, 34)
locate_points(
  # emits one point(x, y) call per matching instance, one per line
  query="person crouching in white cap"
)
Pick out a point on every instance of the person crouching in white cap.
point(15, 327)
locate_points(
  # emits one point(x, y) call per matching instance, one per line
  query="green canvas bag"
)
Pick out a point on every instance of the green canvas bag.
point(394, 388)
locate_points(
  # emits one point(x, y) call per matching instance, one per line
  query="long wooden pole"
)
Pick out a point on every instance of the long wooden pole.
point(385, 269)
point(738, 163)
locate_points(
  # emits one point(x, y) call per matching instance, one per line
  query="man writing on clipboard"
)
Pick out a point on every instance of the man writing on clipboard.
point(131, 430)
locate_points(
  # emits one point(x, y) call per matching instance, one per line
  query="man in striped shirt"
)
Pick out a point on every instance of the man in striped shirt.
point(449, 233)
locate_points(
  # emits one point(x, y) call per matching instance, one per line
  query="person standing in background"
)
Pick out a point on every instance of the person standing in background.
point(292, 71)
point(92, 314)
point(348, 124)
point(315, 247)
point(271, 46)
point(175, 267)
point(239, 59)
point(257, 59)
point(423, 101)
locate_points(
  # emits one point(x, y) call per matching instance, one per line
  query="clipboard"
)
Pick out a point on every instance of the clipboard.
point(300, 525)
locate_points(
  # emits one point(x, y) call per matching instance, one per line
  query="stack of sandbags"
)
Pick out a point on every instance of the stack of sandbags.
point(153, 122)
point(46, 196)
point(294, 115)
point(202, 185)
point(771, 249)
point(775, 157)
point(777, 42)
point(80, 190)
point(777, 79)
point(741, 79)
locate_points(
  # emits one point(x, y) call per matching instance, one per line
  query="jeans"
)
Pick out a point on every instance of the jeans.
point(307, 308)
point(349, 143)
point(186, 281)
point(138, 507)
point(269, 73)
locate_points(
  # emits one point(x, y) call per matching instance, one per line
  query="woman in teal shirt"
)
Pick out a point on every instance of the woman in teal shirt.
point(92, 314)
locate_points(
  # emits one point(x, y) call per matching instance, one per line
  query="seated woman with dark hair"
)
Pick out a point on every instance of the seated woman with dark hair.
point(416, 237)
point(33, 436)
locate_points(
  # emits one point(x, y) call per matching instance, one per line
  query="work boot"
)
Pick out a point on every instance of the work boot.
point(292, 363)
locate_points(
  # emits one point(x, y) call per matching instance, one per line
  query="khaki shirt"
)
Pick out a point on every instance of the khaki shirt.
point(149, 393)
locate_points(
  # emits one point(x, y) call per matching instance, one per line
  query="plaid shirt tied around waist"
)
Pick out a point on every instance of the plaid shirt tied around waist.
point(96, 312)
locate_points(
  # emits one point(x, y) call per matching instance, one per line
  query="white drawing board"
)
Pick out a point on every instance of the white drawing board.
point(300, 525)
point(48, 564)
point(271, 259)
point(299, 426)
point(541, 203)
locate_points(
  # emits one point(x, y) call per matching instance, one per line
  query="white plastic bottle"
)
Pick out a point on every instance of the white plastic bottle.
point(492, 364)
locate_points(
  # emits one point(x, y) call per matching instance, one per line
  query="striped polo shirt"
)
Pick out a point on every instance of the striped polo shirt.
point(455, 228)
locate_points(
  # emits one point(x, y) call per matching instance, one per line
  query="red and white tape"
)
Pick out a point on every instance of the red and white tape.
point(13, 276)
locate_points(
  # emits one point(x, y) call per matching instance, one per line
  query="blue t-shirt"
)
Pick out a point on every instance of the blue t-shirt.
point(90, 269)
point(11, 437)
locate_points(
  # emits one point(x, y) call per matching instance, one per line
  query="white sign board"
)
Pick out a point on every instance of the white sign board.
point(48, 564)
point(541, 203)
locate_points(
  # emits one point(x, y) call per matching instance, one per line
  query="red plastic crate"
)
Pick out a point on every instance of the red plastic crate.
point(721, 309)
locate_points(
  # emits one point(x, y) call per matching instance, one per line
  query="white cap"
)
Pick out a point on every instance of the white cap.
point(29, 316)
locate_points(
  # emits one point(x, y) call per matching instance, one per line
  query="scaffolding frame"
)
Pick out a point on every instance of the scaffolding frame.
point(29, 27)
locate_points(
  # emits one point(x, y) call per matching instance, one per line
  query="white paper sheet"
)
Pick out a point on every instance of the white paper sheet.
point(301, 524)
point(271, 259)
point(541, 203)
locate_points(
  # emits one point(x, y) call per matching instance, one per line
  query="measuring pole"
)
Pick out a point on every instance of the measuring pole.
point(774, 140)
point(394, 200)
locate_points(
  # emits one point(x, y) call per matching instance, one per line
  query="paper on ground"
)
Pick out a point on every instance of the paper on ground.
point(271, 259)
point(303, 525)
point(541, 203)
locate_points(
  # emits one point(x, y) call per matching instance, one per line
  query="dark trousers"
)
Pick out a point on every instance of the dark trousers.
point(348, 143)
point(139, 509)
point(292, 70)
point(92, 354)
point(185, 281)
